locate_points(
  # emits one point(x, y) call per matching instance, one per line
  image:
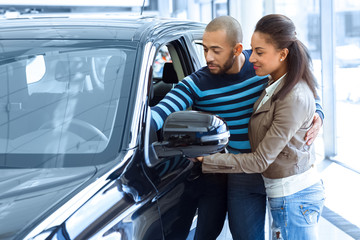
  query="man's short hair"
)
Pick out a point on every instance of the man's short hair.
point(231, 26)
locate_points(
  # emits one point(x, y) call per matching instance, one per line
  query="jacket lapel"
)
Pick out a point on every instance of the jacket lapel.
point(266, 106)
point(256, 104)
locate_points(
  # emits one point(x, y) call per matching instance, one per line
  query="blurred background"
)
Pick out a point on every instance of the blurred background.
point(331, 31)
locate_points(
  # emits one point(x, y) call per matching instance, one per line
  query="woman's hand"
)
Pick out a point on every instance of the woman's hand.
point(200, 159)
point(197, 159)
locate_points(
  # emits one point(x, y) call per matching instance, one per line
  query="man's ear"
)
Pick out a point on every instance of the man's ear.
point(238, 49)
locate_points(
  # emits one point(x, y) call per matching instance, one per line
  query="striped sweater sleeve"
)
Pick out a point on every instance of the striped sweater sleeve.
point(319, 108)
point(179, 98)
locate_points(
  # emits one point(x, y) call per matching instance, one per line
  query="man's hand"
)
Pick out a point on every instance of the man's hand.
point(314, 130)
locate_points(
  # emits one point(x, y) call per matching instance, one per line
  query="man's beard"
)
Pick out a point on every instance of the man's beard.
point(227, 65)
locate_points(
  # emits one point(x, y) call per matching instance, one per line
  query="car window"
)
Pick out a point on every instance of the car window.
point(162, 56)
point(200, 51)
point(174, 67)
point(59, 97)
point(35, 69)
point(163, 81)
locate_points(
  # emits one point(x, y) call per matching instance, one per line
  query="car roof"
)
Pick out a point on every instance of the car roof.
point(89, 26)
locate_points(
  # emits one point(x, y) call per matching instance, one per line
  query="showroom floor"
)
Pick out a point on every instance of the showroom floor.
point(327, 231)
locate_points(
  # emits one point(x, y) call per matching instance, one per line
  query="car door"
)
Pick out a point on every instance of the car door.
point(175, 178)
point(112, 213)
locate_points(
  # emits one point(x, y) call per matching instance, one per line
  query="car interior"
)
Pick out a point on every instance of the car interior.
point(164, 74)
point(61, 103)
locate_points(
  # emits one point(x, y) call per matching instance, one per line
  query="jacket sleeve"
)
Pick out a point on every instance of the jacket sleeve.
point(289, 116)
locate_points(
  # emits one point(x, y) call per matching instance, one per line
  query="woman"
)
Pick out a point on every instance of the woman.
point(282, 115)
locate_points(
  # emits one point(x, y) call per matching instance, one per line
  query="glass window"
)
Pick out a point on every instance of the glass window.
point(61, 99)
point(347, 72)
point(307, 27)
point(220, 8)
point(35, 69)
point(161, 58)
point(308, 31)
point(200, 51)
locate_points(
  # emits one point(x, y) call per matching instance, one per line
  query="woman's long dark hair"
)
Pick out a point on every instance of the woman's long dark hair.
point(281, 32)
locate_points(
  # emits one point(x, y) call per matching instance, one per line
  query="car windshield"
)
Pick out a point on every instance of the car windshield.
point(59, 97)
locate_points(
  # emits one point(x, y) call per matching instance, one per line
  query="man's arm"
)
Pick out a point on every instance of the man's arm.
point(179, 98)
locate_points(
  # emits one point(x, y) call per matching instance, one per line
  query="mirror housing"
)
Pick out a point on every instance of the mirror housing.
point(192, 134)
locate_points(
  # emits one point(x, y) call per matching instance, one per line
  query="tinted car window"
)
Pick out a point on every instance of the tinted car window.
point(60, 97)
point(200, 51)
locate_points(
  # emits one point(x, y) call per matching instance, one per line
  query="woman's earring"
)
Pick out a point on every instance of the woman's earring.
point(281, 59)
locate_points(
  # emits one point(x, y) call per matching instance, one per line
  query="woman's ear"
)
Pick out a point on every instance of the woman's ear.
point(284, 52)
point(238, 49)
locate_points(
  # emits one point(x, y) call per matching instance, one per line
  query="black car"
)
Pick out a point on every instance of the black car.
point(78, 156)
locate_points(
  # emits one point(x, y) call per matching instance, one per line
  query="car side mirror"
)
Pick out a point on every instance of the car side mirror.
point(191, 134)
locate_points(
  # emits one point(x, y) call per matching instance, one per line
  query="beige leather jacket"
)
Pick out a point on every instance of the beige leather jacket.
point(276, 131)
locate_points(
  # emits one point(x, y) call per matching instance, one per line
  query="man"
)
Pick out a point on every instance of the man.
point(228, 87)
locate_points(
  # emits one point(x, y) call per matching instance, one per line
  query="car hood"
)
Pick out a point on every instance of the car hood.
point(27, 195)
